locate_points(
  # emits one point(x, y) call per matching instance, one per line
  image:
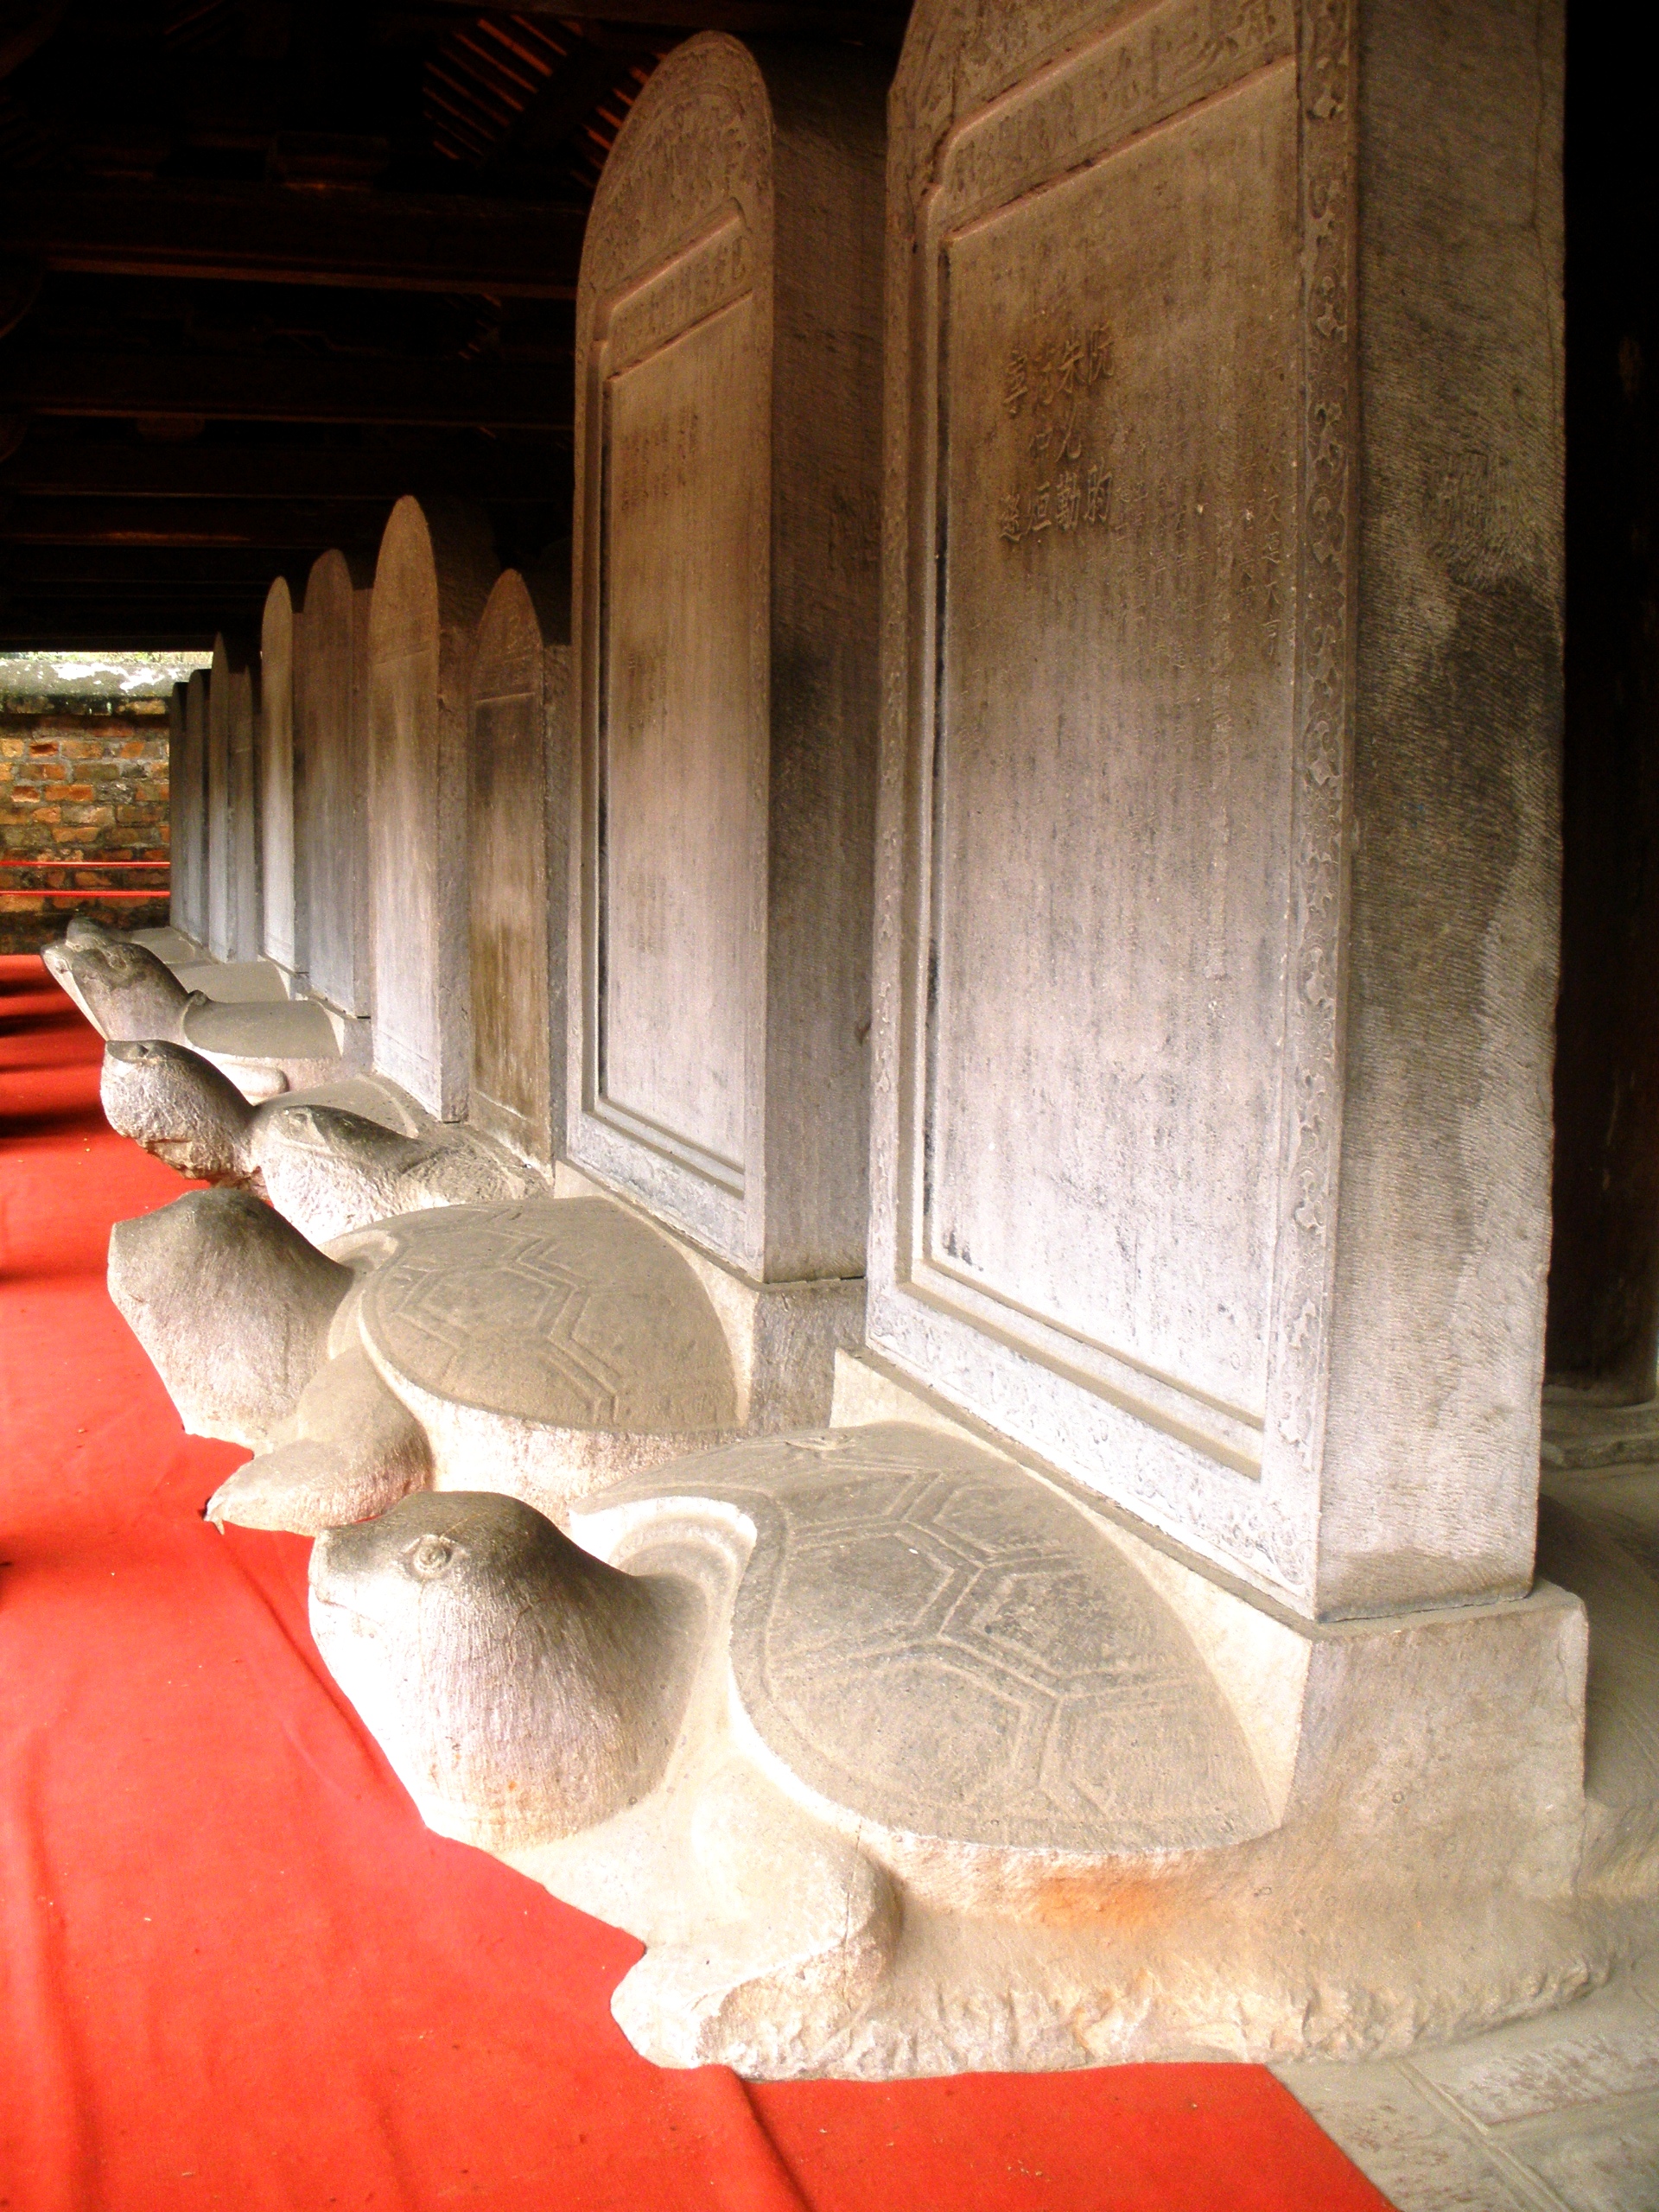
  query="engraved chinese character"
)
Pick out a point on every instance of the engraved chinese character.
point(1070, 442)
point(1043, 365)
point(1041, 438)
point(1097, 498)
point(1015, 384)
point(1040, 518)
point(1068, 499)
point(1008, 521)
point(1099, 355)
point(1071, 363)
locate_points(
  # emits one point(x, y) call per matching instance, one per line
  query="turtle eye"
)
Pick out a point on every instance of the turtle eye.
point(429, 1558)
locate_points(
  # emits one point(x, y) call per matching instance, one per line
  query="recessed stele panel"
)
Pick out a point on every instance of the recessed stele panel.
point(331, 706)
point(430, 583)
point(678, 797)
point(188, 790)
point(726, 571)
point(1121, 776)
point(233, 895)
point(276, 751)
point(518, 767)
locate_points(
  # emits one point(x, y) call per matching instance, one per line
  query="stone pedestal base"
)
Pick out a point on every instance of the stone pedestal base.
point(1578, 1432)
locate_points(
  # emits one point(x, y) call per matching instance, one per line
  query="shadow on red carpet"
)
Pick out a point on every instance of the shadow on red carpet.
point(235, 1968)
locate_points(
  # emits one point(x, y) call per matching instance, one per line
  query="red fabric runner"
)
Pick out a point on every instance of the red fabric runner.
point(235, 1968)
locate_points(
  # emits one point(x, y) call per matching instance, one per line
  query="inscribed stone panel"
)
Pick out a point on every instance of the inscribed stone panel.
point(429, 589)
point(276, 652)
point(1111, 866)
point(681, 732)
point(331, 783)
point(187, 785)
point(518, 766)
point(217, 784)
point(727, 421)
point(1218, 861)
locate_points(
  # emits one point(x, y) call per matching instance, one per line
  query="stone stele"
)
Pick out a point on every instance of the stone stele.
point(1210, 1141)
point(234, 927)
point(331, 712)
point(187, 807)
point(519, 800)
point(430, 584)
point(727, 411)
point(1215, 931)
point(279, 939)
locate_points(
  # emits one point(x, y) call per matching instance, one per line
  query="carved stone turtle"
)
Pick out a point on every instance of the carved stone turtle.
point(843, 1725)
point(126, 992)
point(545, 1346)
point(330, 1161)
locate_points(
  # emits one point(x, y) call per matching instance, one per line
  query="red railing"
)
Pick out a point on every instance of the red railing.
point(84, 891)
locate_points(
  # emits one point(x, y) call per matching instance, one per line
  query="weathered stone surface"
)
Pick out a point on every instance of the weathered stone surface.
point(121, 987)
point(952, 1784)
point(244, 982)
point(519, 801)
point(330, 1170)
point(727, 480)
point(187, 795)
point(430, 584)
point(1214, 973)
point(331, 708)
point(176, 1273)
point(279, 938)
point(233, 927)
point(543, 1348)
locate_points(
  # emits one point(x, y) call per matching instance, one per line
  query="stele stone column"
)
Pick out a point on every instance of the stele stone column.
point(1218, 882)
point(277, 630)
point(725, 579)
point(216, 788)
point(187, 773)
point(233, 896)
point(519, 795)
point(430, 583)
point(331, 782)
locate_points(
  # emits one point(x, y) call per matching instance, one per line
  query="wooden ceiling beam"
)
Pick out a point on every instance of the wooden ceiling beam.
point(882, 25)
point(142, 572)
point(276, 524)
point(64, 467)
point(269, 234)
point(285, 388)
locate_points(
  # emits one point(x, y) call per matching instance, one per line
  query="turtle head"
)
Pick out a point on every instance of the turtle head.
point(522, 1690)
point(178, 1106)
point(122, 988)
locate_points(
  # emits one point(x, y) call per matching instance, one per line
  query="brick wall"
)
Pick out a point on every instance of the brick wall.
point(80, 785)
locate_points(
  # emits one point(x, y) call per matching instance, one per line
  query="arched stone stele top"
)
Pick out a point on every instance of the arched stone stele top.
point(430, 583)
point(1221, 642)
point(331, 718)
point(519, 793)
point(727, 424)
point(233, 916)
point(276, 654)
point(188, 793)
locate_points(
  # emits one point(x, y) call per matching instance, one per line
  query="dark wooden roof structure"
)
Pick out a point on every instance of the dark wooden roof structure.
point(266, 265)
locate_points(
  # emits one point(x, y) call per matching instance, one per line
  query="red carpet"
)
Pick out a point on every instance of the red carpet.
point(236, 1970)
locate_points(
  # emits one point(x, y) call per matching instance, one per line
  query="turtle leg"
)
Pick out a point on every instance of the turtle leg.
point(357, 1450)
point(804, 1926)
